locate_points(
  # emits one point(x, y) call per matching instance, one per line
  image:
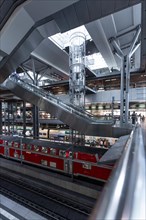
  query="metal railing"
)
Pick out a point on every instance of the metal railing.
point(124, 196)
point(55, 100)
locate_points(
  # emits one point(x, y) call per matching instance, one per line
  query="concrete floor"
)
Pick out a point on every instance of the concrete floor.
point(143, 125)
point(10, 210)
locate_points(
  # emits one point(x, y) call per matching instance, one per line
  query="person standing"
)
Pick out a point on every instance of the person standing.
point(133, 116)
point(143, 118)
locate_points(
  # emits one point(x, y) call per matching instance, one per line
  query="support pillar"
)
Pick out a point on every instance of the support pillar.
point(35, 108)
point(127, 89)
point(0, 117)
point(125, 75)
point(8, 120)
point(35, 122)
point(5, 116)
point(13, 115)
point(24, 118)
point(122, 95)
point(143, 35)
point(113, 100)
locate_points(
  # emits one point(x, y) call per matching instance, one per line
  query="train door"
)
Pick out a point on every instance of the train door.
point(68, 166)
point(6, 149)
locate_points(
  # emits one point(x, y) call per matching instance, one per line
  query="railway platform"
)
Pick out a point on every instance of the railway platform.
point(61, 182)
point(11, 210)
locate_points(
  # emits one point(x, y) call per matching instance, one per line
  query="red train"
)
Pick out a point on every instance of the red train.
point(80, 160)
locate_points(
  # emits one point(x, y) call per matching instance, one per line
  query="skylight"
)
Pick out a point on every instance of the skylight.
point(63, 40)
point(94, 61)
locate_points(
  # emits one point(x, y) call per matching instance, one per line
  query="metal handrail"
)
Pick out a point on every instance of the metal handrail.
point(123, 197)
point(47, 95)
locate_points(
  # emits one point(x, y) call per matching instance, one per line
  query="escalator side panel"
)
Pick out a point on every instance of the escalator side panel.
point(75, 121)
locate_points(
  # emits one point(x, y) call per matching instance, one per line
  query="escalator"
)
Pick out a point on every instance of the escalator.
point(76, 118)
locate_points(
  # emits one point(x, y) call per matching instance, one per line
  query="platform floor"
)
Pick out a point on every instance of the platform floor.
point(143, 125)
point(10, 210)
point(60, 181)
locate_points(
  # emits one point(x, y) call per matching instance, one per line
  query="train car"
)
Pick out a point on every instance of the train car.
point(2, 142)
point(62, 157)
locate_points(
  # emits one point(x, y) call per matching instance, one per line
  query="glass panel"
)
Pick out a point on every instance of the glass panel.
point(52, 151)
point(36, 148)
point(44, 150)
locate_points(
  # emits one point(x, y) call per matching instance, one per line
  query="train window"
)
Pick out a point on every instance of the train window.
point(44, 162)
point(70, 154)
point(28, 147)
point(6, 143)
point(86, 166)
point(62, 153)
point(52, 151)
point(9, 143)
point(16, 144)
point(16, 155)
point(97, 157)
point(52, 164)
point(22, 157)
point(36, 148)
point(23, 146)
point(44, 150)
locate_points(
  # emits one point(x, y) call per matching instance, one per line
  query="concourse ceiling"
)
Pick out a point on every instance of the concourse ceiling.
point(103, 20)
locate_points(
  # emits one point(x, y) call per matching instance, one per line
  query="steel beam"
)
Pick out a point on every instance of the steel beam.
point(27, 73)
point(134, 49)
point(117, 47)
point(134, 41)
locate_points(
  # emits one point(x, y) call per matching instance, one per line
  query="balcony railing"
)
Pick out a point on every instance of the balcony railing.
point(124, 196)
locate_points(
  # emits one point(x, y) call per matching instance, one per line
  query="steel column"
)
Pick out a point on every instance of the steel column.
point(0, 117)
point(127, 88)
point(143, 35)
point(122, 95)
point(35, 108)
point(125, 75)
point(113, 100)
point(24, 118)
point(35, 122)
point(8, 122)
